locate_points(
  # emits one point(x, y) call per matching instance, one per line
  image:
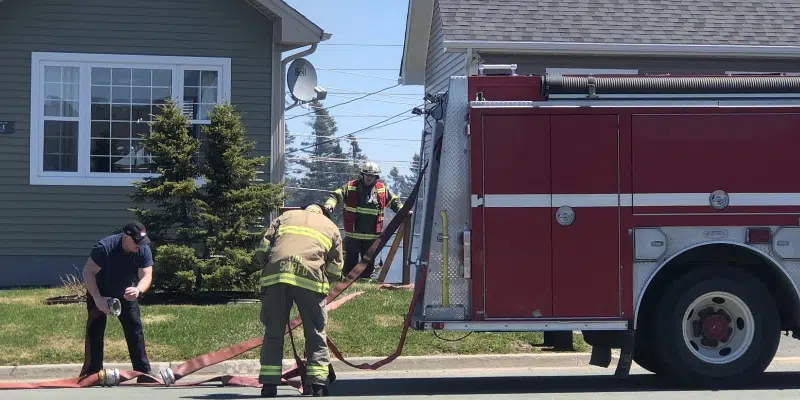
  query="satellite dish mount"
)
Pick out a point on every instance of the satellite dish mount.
point(301, 77)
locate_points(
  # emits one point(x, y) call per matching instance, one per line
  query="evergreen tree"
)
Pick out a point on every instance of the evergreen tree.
point(404, 184)
point(172, 223)
point(323, 166)
point(237, 204)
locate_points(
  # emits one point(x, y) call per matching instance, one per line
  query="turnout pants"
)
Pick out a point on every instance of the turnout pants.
point(95, 332)
point(276, 303)
point(354, 250)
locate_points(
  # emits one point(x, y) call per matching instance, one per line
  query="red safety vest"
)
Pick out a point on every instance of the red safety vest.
point(351, 204)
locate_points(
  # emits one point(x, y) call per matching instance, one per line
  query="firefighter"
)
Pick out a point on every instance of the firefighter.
point(363, 201)
point(301, 256)
point(119, 267)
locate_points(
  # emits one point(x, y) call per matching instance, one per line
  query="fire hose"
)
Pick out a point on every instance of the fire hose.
point(170, 377)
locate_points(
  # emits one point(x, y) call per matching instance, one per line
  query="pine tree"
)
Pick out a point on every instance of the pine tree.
point(404, 184)
point(171, 223)
point(324, 164)
point(237, 203)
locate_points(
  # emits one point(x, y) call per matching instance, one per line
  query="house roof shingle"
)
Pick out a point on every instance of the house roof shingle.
point(715, 22)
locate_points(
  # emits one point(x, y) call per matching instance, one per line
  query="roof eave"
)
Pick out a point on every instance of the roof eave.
point(296, 29)
point(415, 44)
point(674, 50)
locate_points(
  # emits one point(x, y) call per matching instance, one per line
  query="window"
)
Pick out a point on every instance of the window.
point(89, 112)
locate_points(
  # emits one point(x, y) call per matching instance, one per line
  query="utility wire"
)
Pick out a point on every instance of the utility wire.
point(357, 74)
point(350, 96)
point(323, 158)
point(360, 138)
point(347, 112)
point(346, 102)
point(362, 44)
point(416, 96)
point(365, 129)
point(362, 69)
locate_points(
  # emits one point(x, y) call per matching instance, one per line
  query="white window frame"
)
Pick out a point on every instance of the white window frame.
point(83, 177)
point(588, 71)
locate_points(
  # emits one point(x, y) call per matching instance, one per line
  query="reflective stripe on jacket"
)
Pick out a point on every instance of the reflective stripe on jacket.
point(303, 249)
point(363, 219)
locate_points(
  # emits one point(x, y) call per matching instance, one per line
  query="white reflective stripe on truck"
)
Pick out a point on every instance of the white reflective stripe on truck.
point(628, 200)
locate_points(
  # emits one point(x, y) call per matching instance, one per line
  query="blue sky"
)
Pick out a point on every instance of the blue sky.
point(367, 39)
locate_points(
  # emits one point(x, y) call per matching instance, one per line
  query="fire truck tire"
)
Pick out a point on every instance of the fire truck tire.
point(717, 326)
point(645, 352)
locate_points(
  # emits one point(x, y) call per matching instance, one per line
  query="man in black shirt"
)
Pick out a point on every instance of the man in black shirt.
point(120, 267)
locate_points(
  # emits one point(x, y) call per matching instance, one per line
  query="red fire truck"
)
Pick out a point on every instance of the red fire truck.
point(656, 214)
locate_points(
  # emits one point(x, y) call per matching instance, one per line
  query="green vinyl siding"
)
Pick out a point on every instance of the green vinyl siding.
point(48, 228)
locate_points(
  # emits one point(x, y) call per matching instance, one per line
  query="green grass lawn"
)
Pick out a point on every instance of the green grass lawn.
point(369, 325)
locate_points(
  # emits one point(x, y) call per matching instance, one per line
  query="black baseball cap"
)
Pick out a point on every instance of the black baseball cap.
point(137, 231)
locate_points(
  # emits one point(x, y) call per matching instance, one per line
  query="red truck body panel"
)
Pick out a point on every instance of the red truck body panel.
point(618, 168)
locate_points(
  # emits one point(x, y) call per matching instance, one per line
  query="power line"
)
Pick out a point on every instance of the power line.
point(357, 74)
point(353, 116)
point(365, 129)
point(408, 164)
point(360, 138)
point(346, 102)
point(345, 90)
point(349, 96)
point(362, 44)
point(349, 111)
point(346, 160)
point(332, 90)
point(362, 69)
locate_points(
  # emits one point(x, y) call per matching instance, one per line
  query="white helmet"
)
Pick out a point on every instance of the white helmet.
point(370, 168)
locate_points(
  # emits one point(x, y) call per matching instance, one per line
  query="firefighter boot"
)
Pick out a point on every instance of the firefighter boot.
point(319, 391)
point(269, 391)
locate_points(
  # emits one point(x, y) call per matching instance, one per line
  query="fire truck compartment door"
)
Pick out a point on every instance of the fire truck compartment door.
point(585, 216)
point(550, 216)
point(516, 168)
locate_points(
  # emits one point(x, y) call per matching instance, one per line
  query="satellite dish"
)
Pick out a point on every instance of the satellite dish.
point(302, 79)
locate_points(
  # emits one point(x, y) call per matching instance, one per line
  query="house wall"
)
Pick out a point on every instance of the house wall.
point(440, 66)
point(535, 64)
point(47, 231)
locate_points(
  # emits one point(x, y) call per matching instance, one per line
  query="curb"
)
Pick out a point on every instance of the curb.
point(251, 367)
point(403, 363)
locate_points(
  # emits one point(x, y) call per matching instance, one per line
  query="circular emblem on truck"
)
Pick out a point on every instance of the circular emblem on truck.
point(565, 215)
point(719, 199)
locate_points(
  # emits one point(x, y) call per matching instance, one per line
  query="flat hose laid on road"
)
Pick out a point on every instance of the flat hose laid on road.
point(558, 84)
point(298, 370)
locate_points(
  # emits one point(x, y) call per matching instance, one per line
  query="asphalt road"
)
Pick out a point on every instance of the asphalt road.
point(539, 384)
point(782, 381)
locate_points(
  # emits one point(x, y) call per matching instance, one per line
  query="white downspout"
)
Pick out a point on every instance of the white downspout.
point(280, 142)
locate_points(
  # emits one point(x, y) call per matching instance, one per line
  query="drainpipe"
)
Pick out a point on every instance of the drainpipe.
point(278, 165)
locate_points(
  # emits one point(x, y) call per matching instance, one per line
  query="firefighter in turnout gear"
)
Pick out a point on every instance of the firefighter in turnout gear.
point(363, 201)
point(301, 256)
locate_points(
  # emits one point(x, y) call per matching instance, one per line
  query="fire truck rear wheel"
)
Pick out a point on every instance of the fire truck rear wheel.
point(717, 327)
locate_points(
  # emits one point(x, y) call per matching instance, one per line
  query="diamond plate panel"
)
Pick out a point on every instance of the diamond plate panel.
point(682, 239)
point(452, 200)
